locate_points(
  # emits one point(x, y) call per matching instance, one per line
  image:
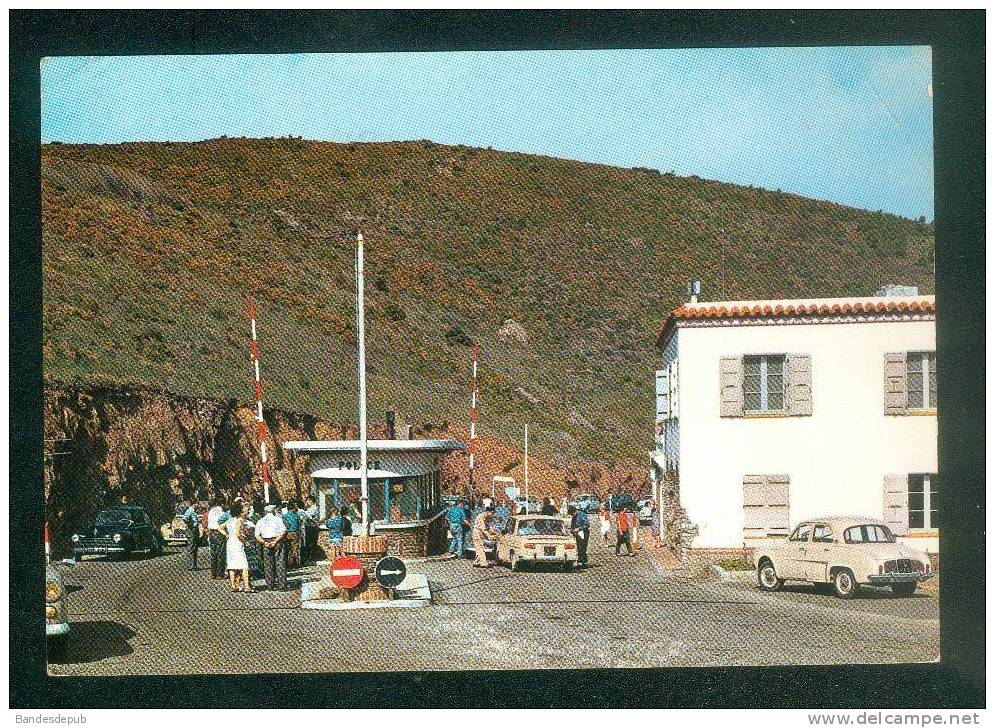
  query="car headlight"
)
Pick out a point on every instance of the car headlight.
point(53, 591)
point(117, 538)
point(75, 538)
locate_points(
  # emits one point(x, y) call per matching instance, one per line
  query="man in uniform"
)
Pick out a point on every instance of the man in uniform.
point(271, 532)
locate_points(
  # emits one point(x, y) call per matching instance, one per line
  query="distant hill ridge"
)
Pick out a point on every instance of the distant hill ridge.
point(561, 272)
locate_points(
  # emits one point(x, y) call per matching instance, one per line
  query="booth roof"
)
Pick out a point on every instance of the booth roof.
point(375, 445)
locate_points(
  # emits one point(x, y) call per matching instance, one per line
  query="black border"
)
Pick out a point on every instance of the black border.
point(957, 38)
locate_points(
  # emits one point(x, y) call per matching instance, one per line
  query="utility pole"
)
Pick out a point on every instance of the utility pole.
point(526, 467)
point(364, 488)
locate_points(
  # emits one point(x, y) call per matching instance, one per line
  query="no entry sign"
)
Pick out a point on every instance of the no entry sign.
point(347, 572)
point(390, 572)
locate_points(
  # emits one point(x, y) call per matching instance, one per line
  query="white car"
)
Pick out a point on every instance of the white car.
point(844, 551)
point(645, 506)
point(536, 540)
point(56, 610)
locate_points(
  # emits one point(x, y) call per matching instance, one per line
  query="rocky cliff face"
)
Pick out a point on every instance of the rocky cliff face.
point(156, 449)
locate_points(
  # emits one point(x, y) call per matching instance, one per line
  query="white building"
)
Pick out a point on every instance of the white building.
point(771, 412)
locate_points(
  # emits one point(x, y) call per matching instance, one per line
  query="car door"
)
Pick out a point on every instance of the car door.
point(796, 553)
point(819, 553)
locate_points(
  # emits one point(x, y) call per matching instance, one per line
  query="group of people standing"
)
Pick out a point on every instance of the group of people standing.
point(626, 527)
point(243, 542)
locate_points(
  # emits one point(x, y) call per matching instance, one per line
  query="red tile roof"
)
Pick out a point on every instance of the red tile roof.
point(802, 307)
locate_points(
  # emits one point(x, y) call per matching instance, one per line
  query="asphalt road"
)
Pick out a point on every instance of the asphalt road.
point(151, 616)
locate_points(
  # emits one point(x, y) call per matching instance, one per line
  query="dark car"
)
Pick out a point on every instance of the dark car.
point(622, 502)
point(117, 531)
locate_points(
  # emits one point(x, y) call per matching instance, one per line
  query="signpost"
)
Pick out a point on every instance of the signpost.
point(347, 572)
point(390, 571)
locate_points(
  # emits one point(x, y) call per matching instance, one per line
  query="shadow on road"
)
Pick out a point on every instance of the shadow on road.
point(871, 593)
point(92, 641)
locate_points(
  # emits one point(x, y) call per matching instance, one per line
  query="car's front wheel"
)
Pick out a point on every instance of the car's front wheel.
point(844, 585)
point(904, 590)
point(767, 578)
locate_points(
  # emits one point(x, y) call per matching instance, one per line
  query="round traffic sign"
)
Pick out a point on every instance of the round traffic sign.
point(347, 572)
point(390, 571)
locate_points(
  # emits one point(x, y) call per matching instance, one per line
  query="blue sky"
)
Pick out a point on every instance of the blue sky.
point(852, 125)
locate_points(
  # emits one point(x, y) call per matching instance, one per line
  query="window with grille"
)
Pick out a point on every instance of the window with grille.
point(923, 511)
point(763, 383)
point(920, 377)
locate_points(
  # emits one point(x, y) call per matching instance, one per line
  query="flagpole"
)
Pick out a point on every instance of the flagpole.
point(526, 468)
point(361, 341)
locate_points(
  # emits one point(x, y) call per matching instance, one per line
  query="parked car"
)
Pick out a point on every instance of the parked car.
point(531, 506)
point(499, 523)
point(117, 531)
point(176, 532)
point(538, 539)
point(622, 502)
point(56, 609)
point(645, 510)
point(587, 502)
point(846, 552)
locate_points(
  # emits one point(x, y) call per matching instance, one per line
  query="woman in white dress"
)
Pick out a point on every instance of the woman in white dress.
point(605, 524)
point(238, 565)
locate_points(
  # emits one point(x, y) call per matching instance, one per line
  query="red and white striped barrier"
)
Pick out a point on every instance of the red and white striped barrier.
point(259, 401)
point(473, 414)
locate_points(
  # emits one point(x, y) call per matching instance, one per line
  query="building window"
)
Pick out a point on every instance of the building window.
point(763, 383)
point(920, 376)
point(923, 511)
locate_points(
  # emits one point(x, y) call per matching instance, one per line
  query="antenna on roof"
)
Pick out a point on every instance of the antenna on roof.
point(694, 290)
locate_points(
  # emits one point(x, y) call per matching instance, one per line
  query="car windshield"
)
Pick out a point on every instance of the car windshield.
point(541, 527)
point(113, 518)
point(870, 533)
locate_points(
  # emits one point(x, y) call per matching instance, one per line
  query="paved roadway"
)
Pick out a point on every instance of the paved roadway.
point(151, 616)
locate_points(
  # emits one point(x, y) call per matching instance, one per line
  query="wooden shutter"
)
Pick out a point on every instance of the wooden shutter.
point(675, 399)
point(896, 503)
point(765, 505)
point(777, 505)
point(896, 393)
point(663, 394)
point(731, 386)
point(798, 385)
point(754, 506)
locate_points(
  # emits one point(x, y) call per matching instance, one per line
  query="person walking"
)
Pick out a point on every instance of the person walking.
point(192, 520)
point(458, 520)
point(622, 533)
point(295, 541)
point(270, 533)
point(237, 564)
point(481, 529)
point(605, 523)
point(336, 531)
point(216, 539)
point(580, 527)
point(634, 530)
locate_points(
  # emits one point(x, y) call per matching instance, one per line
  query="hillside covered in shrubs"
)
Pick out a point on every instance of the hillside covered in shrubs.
point(561, 272)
